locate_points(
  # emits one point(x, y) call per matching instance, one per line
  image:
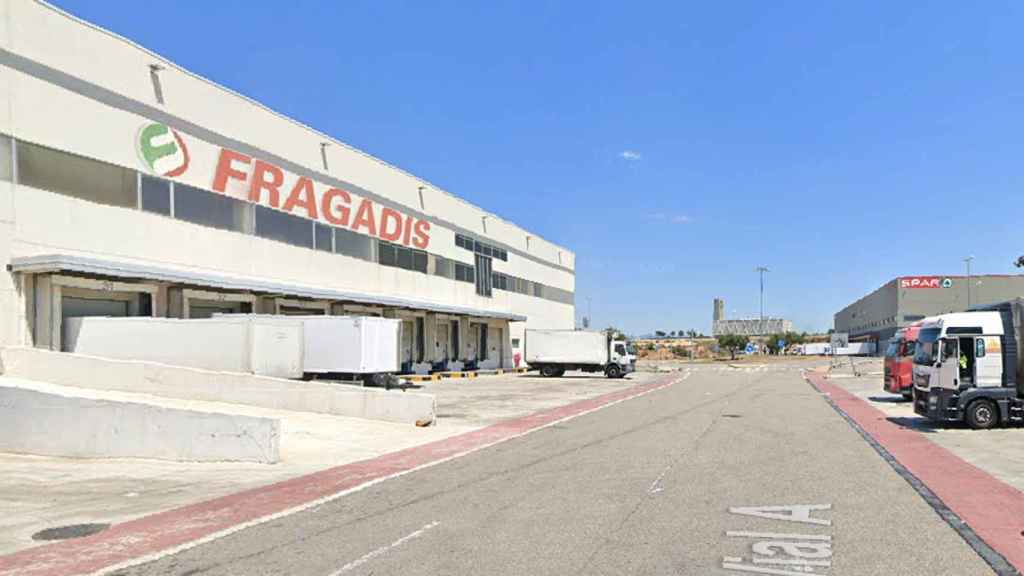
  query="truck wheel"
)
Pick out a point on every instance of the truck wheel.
point(548, 371)
point(613, 371)
point(981, 415)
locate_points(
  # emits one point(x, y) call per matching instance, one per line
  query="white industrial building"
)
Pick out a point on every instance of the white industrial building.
point(132, 187)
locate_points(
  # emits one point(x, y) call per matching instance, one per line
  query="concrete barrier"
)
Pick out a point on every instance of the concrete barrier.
point(257, 344)
point(194, 384)
point(48, 420)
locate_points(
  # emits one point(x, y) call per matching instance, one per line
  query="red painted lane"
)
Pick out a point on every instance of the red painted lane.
point(165, 530)
point(992, 508)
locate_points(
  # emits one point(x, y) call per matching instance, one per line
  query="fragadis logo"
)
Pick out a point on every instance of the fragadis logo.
point(162, 150)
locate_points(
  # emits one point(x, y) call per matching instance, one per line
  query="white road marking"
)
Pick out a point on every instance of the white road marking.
point(777, 536)
point(656, 485)
point(383, 549)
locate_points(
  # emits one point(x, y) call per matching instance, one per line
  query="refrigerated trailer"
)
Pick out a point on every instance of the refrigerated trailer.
point(968, 366)
point(364, 348)
point(553, 352)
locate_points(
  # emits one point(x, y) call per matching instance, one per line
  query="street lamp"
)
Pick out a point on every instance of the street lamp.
point(967, 261)
point(761, 270)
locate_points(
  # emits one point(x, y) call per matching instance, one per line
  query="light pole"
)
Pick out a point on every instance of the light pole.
point(968, 262)
point(761, 270)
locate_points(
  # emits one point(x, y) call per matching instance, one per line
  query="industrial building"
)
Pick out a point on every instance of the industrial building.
point(721, 326)
point(907, 299)
point(132, 187)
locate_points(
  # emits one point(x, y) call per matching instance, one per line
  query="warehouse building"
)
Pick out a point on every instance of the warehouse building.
point(907, 299)
point(132, 187)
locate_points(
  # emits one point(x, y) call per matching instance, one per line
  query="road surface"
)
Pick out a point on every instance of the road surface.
point(678, 481)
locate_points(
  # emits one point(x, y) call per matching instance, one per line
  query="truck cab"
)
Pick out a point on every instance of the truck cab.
point(958, 369)
point(622, 353)
point(899, 361)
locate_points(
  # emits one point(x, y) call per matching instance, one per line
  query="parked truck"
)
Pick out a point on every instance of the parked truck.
point(968, 366)
point(553, 352)
point(899, 362)
point(359, 348)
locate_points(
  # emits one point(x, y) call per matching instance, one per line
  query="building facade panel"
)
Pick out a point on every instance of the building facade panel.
point(194, 177)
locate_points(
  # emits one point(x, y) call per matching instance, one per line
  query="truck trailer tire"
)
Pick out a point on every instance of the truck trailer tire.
point(982, 414)
point(549, 371)
point(613, 371)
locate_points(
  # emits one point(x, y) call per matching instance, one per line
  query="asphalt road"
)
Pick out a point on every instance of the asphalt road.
point(641, 487)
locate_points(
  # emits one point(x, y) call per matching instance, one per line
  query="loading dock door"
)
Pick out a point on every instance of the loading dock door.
point(443, 342)
point(407, 334)
point(207, 308)
point(78, 307)
point(495, 346)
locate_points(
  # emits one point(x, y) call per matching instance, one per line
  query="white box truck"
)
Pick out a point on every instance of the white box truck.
point(553, 352)
point(364, 348)
point(264, 345)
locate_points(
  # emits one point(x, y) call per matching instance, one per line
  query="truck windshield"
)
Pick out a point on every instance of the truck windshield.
point(908, 349)
point(927, 350)
point(893, 350)
point(631, 349)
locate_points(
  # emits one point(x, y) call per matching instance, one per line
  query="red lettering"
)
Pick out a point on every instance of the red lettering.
point(327, 205)
point(260, 183)
point(225, 170)
point(407, 230)
point(302, 195)
point(364, 217)
point(387, 217)
point(422, 238)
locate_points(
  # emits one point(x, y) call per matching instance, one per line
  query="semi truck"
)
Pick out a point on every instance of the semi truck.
point(899, 362)
point(553, 352)
point(968, 366)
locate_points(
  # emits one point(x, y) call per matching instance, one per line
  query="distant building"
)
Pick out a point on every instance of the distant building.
point(719, 313)
point(751, 326)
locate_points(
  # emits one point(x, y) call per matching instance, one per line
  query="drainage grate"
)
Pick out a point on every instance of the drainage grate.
point(68, 532)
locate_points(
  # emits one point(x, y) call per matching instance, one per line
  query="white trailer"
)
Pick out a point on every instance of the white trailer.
point(264, 345)
point(363, 348)
point(552, 352)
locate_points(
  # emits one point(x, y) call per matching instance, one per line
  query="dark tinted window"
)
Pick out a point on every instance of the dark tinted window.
point(156, 195)
point(284, 227)
point(209, 209)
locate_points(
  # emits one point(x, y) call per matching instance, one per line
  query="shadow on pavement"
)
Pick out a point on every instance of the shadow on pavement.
point(920, 424)
point(890, 399)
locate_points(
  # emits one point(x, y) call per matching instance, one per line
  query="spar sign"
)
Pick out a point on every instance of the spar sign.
point(925, 282)
point(164, 152)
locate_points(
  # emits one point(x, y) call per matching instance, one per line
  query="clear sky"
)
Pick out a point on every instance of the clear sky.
point(674, 146)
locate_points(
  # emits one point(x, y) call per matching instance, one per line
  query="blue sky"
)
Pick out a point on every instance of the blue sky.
point(674, 146)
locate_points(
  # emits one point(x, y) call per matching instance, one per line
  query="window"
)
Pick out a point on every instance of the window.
point(464, 242)
point(538, 290)
point(155, 195)
point(515, 342)
point(387, 254)
point(353, 244)
point(75, 176)
point(500, 281)
point(5, 158)
point(402, 257)
point(283, 227)
point(979, 347)
point(444, 267)
point(483, 277)
point(322, 236)
point(464, 273)
point(209, 209)
point(419, 261)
